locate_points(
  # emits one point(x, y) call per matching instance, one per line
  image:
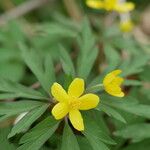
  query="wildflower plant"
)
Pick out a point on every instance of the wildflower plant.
point(81, 89)
point(120, 6)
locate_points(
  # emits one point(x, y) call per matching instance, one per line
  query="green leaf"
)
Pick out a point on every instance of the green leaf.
point(136, 66)
point(17, 90)
point(136, 132)
point(66, 61)
point(128, 44)
point(13, 70)
point(128, 104)
point(8, 96)
point(88, 51)
point(42, 67)
point(145, 75)
point(67, 22)
point(27, 120)
point(96, 143)
point(112, 57)
point(69, 139)
point(95, 135)
point(111, 112)
point(55, 31)
point(138, 146)
point(34, 139)
point(13, 108)
point(83, 143)
point(132, 83)
point(4, 143)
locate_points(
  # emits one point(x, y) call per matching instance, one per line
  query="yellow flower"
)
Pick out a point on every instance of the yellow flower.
point(126, 26)
point(72, 101)
point(97, 4)
point(112, 83)
point(111, 5)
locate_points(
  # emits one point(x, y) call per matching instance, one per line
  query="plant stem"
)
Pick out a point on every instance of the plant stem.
point(97, 87)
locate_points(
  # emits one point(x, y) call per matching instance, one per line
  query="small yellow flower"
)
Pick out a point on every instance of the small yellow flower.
point(112, 83)
point(97, 4)
point(72, 101)
point(111, 5)
point(126, 26)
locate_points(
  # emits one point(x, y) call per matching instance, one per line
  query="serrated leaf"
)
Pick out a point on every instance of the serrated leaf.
point(8, 96)
point(17, 90)
point(83, 143)
point(128, 104)
point(42, 67)
point(66, 61)
point(95, 143)
point(13, 108)
point(138, 146)
point(111, 112)
point(27, 120)
point(137, 132)
point(12, 70)
point(132, 83)
point(94, 134)
point(34, 139)
point(145, 75)
point(69, 139)
point(88, 51)
point(114, 59)
point(57, 31)
point(4, 143)
point(136, 66)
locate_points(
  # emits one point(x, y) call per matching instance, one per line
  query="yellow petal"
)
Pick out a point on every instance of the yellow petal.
point(116, 72)
point(125, 7)
point(126, 26)
point(114, 90)
point(88, 101)
point(76, 120)
point(95, 4)
point(110, 77)
point(117, 81)
point(76, 87)
point(109, 4)
point(60, 110)
point(59, 93)
point(119, 95)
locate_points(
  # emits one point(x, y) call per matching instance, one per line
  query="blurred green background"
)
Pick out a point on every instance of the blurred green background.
point(52, 22)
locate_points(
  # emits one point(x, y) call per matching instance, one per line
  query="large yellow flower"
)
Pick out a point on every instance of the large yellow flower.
point(111, 5)
point(112, 83)
point(73, 101)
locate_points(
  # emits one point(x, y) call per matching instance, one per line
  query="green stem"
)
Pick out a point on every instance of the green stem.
point(97, 87)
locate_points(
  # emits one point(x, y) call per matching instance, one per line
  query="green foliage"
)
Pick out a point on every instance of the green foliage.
point(27, 120)
point(11, 65)
point(95, 135)
point(136, 132)
point(69, 139)
point(8, 109)
point(5, 144)
point(88, 51)
point(113, 59)
point(42, 67)
point(66, 61)
point(8, 87)
point(128, 104)
point(136, 66)
point(111, 112)
point(35, 138)
point(84, 46)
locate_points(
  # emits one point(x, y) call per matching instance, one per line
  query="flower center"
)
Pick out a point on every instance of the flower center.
point(74, 104)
